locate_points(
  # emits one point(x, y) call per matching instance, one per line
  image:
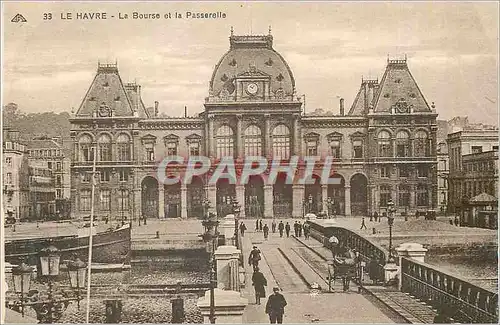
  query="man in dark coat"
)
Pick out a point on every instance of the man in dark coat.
point(287, 229)
point(275, 307)
point(257, 225)
point(306, 230)
point(273, 226)
point(242, 229)
point(260, 225)
point(266, 231)
point(254, 257)
point(296, 229)
point(259, 282)
point(281, 227)
point(299, 229)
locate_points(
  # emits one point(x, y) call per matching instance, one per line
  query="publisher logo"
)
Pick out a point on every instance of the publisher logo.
point(18, 19)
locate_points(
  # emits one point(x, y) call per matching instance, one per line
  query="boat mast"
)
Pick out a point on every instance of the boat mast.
point(91, 228)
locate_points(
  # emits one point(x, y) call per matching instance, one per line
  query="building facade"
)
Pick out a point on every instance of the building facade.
point(383, 147)
point(50, 154)
point(443, 173)
point(42, 192)
point(15, 176)
point(473, 165)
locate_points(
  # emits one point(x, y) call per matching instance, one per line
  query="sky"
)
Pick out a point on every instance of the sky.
point(452, 51)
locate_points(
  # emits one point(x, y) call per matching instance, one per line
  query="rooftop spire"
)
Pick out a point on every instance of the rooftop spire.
point(269, 29)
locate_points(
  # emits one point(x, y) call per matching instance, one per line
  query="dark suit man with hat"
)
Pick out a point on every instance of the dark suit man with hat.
point(275, 306)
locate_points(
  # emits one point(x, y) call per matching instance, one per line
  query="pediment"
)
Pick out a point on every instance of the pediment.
point(253, 73)
point(357, 134)
point(334, 135)
point(193, 137)
point(311, 136)
point(171, 137)
point(148, 138)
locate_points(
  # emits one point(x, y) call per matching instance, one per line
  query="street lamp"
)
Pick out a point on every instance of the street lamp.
point(390, 221)
point(236, 212)
point(48, 306)
point(211, 223)
point(310, 200)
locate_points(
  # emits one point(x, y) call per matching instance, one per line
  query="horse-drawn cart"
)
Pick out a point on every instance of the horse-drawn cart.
point(344, 266)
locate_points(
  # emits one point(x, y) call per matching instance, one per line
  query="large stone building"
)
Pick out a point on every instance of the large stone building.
point(383, 147)
point(473, 156)
point(443, 173)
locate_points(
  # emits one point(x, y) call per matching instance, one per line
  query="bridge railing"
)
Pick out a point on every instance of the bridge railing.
point(456, 297)
point(368, 251)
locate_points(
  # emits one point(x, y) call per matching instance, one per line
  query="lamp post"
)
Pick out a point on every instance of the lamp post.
point(49, 306)
point(236, 212)
point(390, 221)
point(211, 223)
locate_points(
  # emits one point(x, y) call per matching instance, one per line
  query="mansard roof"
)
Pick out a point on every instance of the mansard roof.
point(367, 91)
point(107, 89)
point(397, 85)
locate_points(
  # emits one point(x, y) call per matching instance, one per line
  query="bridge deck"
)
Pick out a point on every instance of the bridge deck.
point(304, 305)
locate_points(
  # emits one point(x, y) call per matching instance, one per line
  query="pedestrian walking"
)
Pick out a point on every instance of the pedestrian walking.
point(242, 229)
point(306, 231)
point(363, 225)
point(273, 226)
point(266, 231)
point(287, 229)
point(295, 229)
point(281, 227)
point(257, 225)
point(371, 217)
point(375, 216)
point(275, 307)
point(254, 257)
point(259, 282)
point(299, 229)
point(260, 225)
point(456, 221)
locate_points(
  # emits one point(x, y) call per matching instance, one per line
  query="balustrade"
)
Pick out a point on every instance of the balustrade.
point(462, 300)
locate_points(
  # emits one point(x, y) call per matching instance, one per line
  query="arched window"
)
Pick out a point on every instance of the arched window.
point(384, 144)
point(84, 148)
point(104, 147)
point(420, 144)
point(253, 141)
point(281, 142)
point(224, 141)
point(385, 195)
point(422, 195)
point(123, 147)
point(402, 144)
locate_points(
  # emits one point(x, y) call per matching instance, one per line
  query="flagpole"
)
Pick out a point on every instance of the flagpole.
point(89, 263)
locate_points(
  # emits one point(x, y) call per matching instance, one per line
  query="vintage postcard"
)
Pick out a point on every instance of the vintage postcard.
point(249, 162)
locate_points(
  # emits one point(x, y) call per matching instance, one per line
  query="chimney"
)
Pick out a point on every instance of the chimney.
point(156, 108)
point(342, 107)
point(185, 111)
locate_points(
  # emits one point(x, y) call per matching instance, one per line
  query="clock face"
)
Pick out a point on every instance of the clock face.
point(252, 88)
point(104, 110)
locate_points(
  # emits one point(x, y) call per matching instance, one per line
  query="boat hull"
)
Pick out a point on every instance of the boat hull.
point(111, 247)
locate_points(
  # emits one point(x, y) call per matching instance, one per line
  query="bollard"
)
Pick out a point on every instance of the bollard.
point(157, 234)
point(113, 311)
point(178, 314)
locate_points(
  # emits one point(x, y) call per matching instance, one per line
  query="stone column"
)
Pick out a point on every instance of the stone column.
point(240, 196)
point(227, 257)
point(184, 201)
point(268, 201)
point(229, 306)
point(267, 136)
point(161, 201)
point(296, 135)
point(413, 201)
point(347, 195)
point(211, 133)
point(298, 201)
point(137, 203)
point(239, 137)
point(324, 196)
point(212, 197)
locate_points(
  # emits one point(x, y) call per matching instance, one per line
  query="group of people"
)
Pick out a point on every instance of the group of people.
point(282, 228)
point(275, 306)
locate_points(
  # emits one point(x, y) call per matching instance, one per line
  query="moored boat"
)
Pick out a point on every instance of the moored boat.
point(112, 247)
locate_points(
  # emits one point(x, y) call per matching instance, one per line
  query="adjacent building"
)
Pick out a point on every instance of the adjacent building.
point(383, 146)
point(443, 173)
point(50, 154)
point(42, 192)
point(15, 173)
point(473, 155)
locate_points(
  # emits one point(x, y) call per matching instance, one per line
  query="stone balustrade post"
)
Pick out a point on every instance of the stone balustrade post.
point(227, 259)
point(226, 228)
point(229, 306)
point(414, 251)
